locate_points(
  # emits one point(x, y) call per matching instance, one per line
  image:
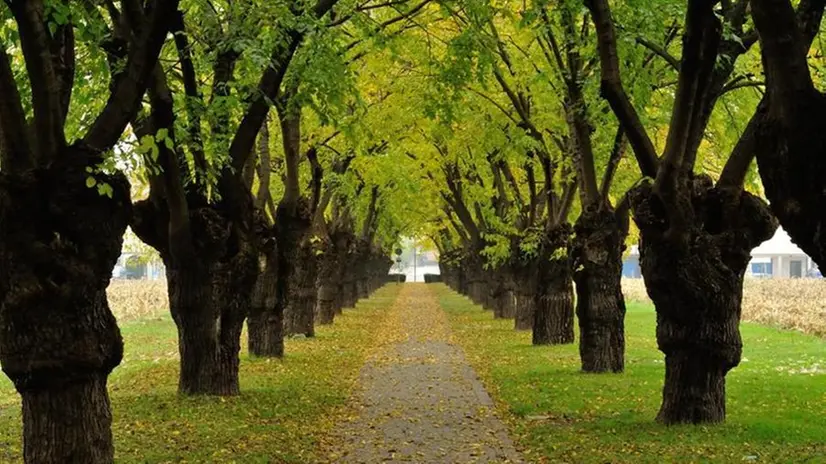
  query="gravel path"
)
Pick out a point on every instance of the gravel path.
point(419, 400)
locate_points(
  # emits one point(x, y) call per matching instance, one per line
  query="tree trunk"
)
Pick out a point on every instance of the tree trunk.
point(299, 314)
point(477, 289)
point(600, 307)
point(525, 303)
point(71, 424)
point(502, 294)
point(695, 280)
point(265, 321)
point(553, 321)
point(326, 304)
point(363, 286)
point(209, 306)
point(326, 281)
point(59, 241)
point(505, 303)
point(209, 297)
point(348, 291)
point(267, 324)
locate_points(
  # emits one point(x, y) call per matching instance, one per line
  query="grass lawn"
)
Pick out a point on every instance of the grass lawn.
point(285, 409)
point(776, 397)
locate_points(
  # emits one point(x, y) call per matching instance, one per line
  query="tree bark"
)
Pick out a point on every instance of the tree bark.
point(553, 321)
point(326, 304)
point(59, 241)
point(71, 424)
point(502, 294)
point(696, 282)
point(299, 314)
point(268, 328)
point(265, 321)
point(474, 273)
point(600, 307)
point(209, 298)
point(328, 277)
point(209, 306)
point(526, 277)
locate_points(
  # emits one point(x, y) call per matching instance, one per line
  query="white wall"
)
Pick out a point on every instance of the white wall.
point(782, 265)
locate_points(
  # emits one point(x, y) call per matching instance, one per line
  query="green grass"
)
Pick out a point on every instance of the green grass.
point(285, 410)
point(776, 398)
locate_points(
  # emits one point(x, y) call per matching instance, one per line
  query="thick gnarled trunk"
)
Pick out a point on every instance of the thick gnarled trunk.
point(328, 280)
point(696, 281)
point(553, 317)
point(209, 306)
point(299, 313)
point(267, 326)
point(526, 288)
point(209, 297)
point(59, 241)
point(502, 295)
point(553, 321)
point(600, 306)
point(264, 323)
point(326, 302)
point(475, 280)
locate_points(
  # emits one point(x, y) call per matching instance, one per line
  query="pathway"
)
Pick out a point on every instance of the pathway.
point(419, 400)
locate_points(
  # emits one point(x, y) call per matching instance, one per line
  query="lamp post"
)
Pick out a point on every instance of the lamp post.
point(399, 264)
point(414, 262)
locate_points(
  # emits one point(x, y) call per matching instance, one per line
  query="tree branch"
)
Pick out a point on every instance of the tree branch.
point(124, 100)
point(731, 86)
point(289, 117)
point(661, 52)
point(737, 165)
point(14, 143)
point(784, 49)
point(63, 57)
point(617, 151)
point(700, 47)
point(45, 85)
point(264, 166)
point(268, 88)
point(317, 177)
point(456, 201)
point(613, 90)
point(193, 94)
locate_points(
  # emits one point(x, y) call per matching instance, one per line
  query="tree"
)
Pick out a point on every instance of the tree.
point(600, 230)
point(201, 216)
point(696, 235)
point(299, 217)
point(538, 269)
point(786, 133)
point(59, 236)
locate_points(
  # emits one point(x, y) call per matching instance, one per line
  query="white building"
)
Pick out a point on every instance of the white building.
point(779, 257)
